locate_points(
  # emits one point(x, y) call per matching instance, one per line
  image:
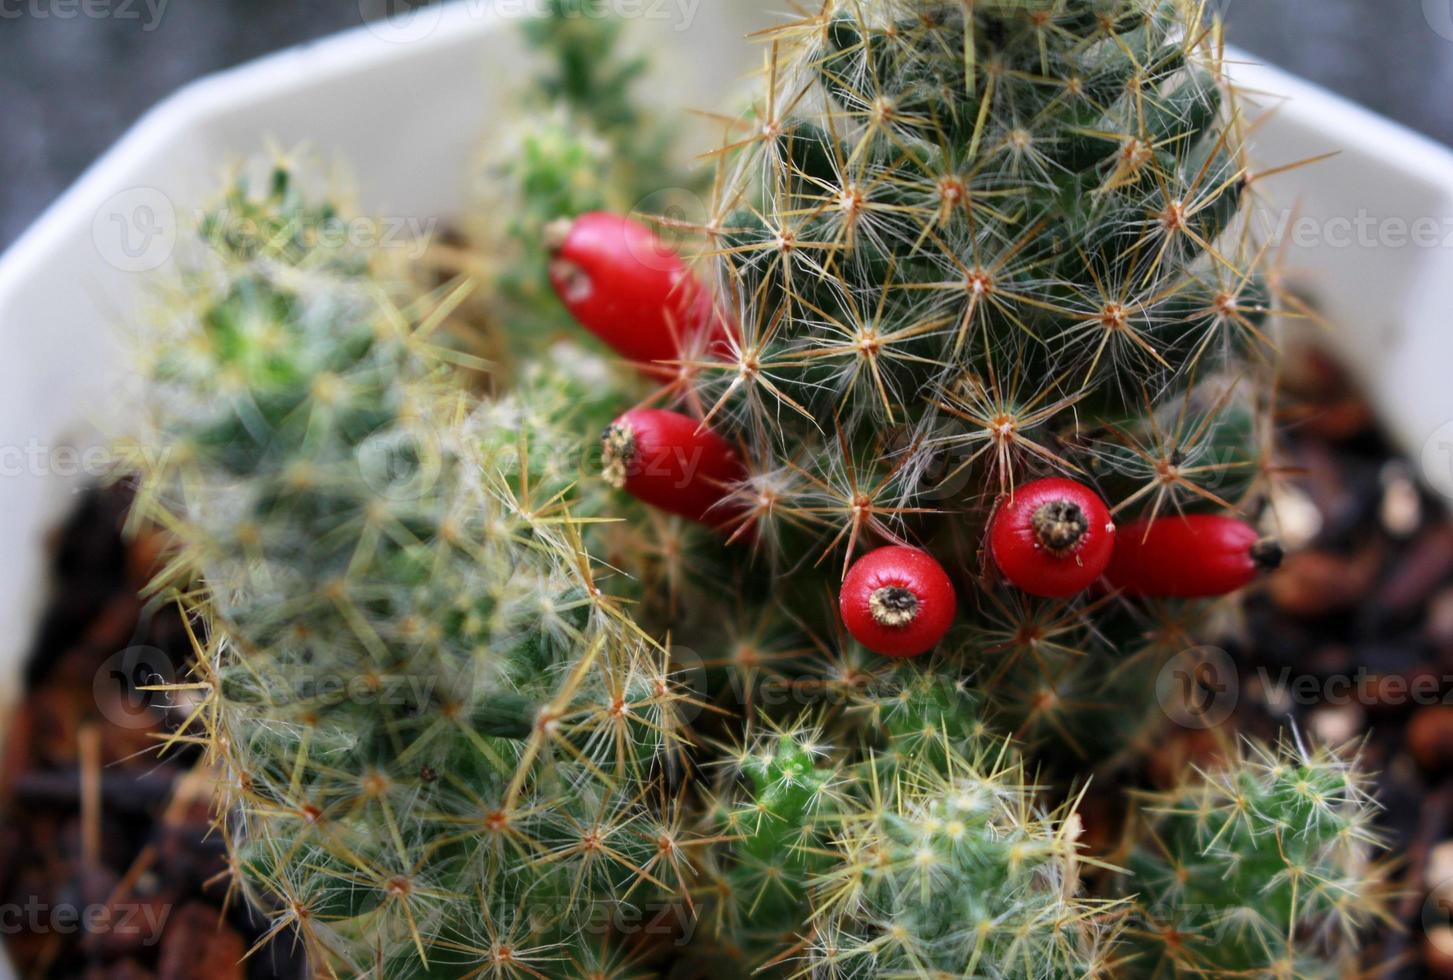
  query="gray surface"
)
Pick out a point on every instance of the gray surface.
point(70, 83)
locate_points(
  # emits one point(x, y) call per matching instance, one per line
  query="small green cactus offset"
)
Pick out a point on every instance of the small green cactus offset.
point(911, 846)
point(436, 734)
point(955, 870)
point(1265, 868)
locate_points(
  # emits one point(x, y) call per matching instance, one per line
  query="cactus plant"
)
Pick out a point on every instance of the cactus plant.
point(971, 246)
point(1264, 868)
point(438, 736)
point(958, 248)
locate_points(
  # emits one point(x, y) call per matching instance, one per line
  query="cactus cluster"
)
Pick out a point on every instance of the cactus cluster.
point(437, 734)
point(930, 855)
point(477, 712)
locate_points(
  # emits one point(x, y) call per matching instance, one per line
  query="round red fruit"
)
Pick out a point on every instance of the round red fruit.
point(669, 461)
point(1190, 556)
point(631, 290)
point(1052, 538)
point(897, 601)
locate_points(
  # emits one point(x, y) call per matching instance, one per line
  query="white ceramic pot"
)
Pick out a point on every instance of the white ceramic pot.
point(407, 104)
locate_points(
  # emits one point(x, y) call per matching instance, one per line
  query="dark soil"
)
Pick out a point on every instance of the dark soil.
point(109, 866)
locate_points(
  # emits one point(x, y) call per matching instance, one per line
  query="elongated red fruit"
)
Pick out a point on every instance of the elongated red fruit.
point(897, 601)
point(1191, 556)
point(667, 460)
point(626, 286)
point(1053, 538)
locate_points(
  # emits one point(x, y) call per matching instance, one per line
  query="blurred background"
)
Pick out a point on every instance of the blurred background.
point(70, 84)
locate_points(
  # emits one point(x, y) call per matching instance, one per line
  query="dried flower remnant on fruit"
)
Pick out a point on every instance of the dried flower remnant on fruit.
point(1052, 538)
point(618, 453)
point(1060, 525)
point(893, 606)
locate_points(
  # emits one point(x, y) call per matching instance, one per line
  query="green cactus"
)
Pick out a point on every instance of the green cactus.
point(967, 244)
point(1264, 868)
point(438, 736)
point(774, 817)
point(953, 870)
point(971, 245)
point(917, 848)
